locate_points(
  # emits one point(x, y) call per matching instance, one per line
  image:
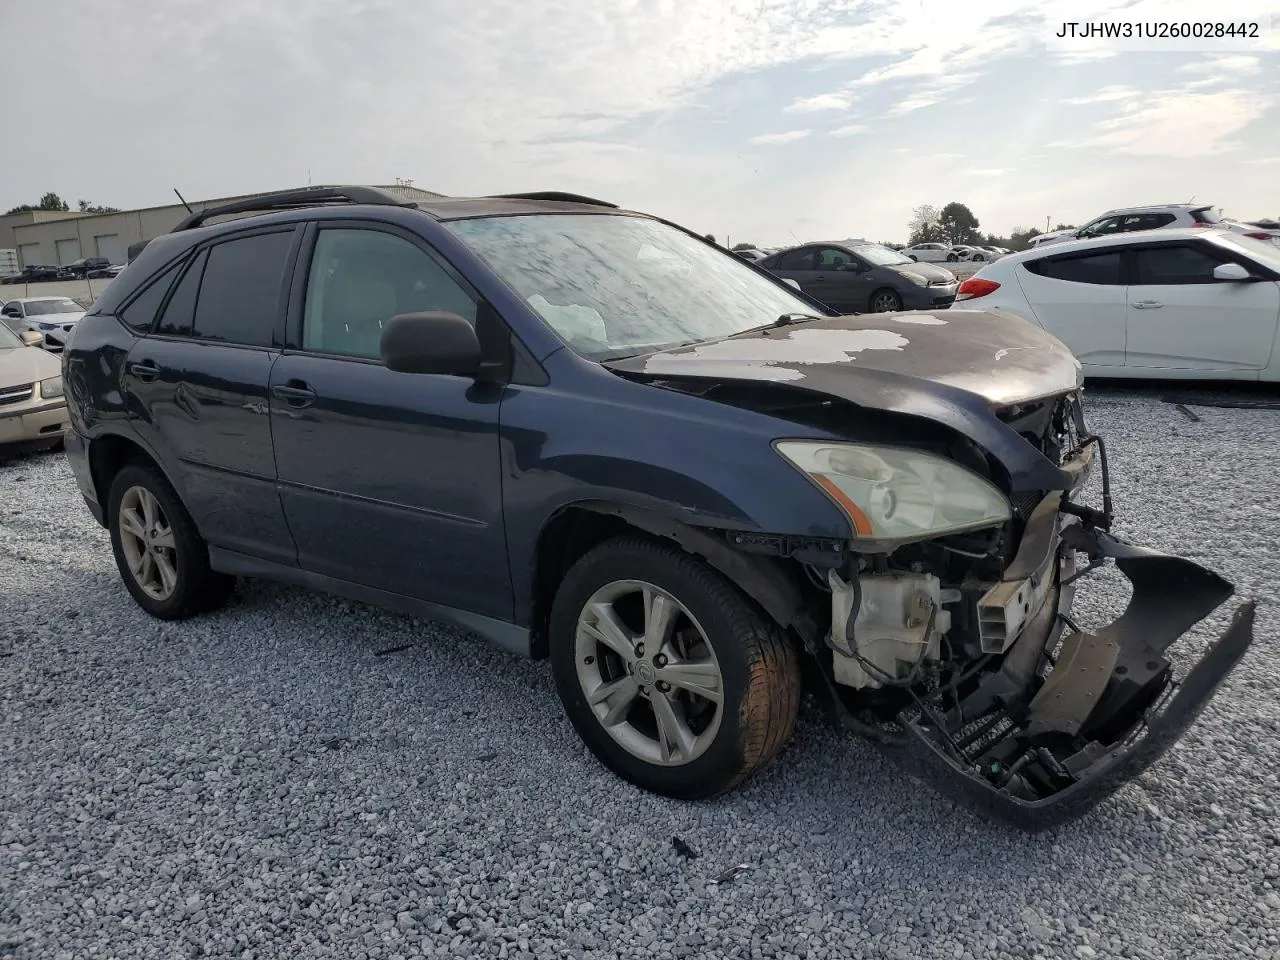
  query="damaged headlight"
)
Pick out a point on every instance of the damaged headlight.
point(889, 493)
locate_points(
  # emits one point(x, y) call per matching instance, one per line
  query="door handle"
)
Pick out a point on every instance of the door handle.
point(144, 370)
point(296, 393)
point(1146, 305)
point(819, 279)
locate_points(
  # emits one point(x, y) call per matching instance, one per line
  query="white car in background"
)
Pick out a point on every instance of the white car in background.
point(931, 253)
point(1133, 219)
point(1193, 304)
point(1256, 231)
point(53, 318)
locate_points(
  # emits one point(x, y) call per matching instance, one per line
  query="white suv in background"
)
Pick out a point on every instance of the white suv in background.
point(1131, 219)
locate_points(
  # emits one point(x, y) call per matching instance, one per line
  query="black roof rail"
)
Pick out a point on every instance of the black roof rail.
point(291, 199)
point(557, 196)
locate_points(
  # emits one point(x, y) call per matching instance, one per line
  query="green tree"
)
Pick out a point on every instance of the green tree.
point(87, 207)
point(50, 201)
point(924, 226)
point(744, 246)
point(958, 223)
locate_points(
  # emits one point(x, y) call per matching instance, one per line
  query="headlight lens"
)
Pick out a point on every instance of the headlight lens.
point(890, 493)
point(915, 278)
point(51, 388)
point(47, 326)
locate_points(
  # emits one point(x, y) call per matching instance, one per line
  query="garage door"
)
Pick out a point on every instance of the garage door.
point(29, 254)
point(108, 245)
point(68, 251)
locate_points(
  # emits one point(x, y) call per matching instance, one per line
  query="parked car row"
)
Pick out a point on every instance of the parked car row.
point(952, 252)
point(1158, 217)
point(92, 268)
point(33, 407)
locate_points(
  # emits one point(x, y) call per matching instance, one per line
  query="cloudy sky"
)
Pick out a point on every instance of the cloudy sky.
point(760, 120)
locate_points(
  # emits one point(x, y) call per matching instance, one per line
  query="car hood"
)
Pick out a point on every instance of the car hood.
point(956, 369)
point(929, 271)
point(23, 365)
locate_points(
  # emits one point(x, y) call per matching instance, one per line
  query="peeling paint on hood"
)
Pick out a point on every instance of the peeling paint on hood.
point(993, 354)
point(789, 351)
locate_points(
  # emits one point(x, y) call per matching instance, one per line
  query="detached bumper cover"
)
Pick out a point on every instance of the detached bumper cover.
point(1107, 710)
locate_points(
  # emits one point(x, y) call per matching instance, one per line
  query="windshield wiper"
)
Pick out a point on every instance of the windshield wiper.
point(789, 318)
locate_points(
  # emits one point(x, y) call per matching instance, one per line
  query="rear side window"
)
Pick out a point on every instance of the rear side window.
point(180, 311)
point(141, 311)
point(240, 292)
point(1099, 268)
point(1174, 264)
point(796, 260)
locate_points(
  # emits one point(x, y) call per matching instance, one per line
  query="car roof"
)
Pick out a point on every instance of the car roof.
point(1163, 235)
point(32, 299)
point(1157, 206)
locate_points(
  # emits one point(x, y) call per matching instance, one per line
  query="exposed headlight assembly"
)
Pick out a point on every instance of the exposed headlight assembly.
point(51, 388)
point(895, 494)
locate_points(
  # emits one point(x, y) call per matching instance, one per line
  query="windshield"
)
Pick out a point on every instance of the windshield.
point(881, 256)
point(35, 308)
point(617, 285)
point(8, 338)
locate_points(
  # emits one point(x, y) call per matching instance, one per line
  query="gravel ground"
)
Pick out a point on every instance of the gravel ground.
point(272, 781)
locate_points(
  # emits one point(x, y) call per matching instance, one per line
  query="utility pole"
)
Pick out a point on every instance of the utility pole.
point(1046, 224)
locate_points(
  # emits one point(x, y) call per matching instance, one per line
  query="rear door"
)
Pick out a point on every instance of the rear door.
point(1181, 318)
point(389, 480)
point(197, 387)
point(797, 265)
point(1080, 299)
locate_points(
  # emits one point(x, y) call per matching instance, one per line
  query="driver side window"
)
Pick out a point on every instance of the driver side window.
point(360, 279)
point(830, 258)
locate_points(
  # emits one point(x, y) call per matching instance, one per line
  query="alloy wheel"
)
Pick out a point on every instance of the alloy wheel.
point(146, 538)
point(649, 674)
point(884, 303)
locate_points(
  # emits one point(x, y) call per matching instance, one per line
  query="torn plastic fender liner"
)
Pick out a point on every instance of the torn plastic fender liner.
point(1127, 732)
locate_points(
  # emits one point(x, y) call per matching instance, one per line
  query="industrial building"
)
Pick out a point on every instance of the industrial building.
point(62, 237)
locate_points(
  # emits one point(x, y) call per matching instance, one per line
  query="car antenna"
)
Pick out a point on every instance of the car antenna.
point(184, 202)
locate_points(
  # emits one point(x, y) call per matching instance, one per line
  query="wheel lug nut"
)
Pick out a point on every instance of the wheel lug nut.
point(664, 686)
point(659, 661)
point(639, 649)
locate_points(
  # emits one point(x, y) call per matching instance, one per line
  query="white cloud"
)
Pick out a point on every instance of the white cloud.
point(823, 101)
point(848, 130)
point(911, 104)
point(774, 139)
point(1218, 65)
point(1262, 161)
point(987, 172)
point(1175, 123)
point(1106, 95)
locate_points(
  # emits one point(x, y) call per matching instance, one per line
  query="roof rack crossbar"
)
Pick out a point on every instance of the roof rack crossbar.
point(291, 199)
point(556, 195)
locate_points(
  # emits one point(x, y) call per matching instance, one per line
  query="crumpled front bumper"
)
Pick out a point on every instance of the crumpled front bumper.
point(1067, 737)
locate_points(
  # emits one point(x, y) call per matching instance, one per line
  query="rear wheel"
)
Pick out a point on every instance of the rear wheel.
point(885, 301)
point(952, 258)
point(162, 558)
point(668, 673)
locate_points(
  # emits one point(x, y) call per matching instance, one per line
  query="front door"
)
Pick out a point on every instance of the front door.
point(390, 480)
point(1180, 317)
point(198, 391)
point(843, 278)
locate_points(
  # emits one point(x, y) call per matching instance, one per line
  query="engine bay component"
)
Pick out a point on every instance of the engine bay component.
point(898, 624)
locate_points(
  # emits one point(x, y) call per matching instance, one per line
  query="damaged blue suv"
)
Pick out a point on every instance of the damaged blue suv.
point(590, 435)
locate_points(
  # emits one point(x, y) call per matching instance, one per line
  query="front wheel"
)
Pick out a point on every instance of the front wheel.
point(668, 673)
point(885, 301)
point(952, 258)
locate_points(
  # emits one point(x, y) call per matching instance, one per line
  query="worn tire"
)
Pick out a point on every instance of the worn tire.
point(759, 668)
point(887, 306)
point(199, 588)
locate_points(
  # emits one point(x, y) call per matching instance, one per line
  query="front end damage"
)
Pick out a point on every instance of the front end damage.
point(961, 655)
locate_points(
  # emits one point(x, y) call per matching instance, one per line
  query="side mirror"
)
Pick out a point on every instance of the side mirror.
point(436, 342)
point(1231, 271)
point(792, 283)
point(30, 338)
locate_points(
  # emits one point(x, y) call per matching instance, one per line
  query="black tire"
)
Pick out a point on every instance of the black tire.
point(198, 589)
point(913, 258)
point(759, 668)
point(952, 258)
point(885, 300)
